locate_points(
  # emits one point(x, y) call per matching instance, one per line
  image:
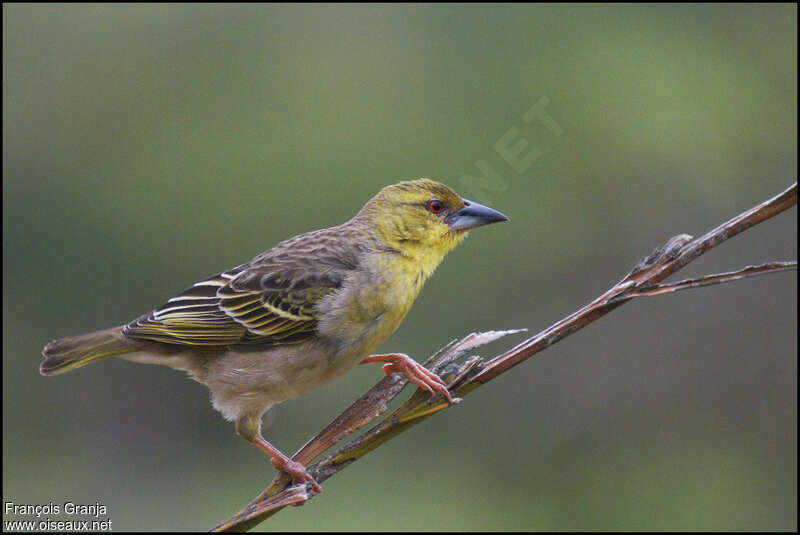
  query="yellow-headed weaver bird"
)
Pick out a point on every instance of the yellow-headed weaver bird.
point(299, 314)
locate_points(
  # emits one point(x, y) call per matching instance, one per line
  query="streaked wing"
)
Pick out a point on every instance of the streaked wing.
point(271, 299)
point(273, 314)
point(193, 317)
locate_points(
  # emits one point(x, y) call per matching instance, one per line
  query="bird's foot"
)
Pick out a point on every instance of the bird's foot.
point(284, 464)
point(414, 372)
point(296, 470)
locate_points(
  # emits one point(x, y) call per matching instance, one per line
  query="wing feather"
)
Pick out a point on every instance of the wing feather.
point(270, 300)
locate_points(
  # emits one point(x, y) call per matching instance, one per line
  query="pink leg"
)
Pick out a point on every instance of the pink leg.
point(414, 372)
point(285, 464)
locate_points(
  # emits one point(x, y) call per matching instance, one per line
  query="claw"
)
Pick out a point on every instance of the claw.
point(414, 372)
point(297, 471)
point(284, 464)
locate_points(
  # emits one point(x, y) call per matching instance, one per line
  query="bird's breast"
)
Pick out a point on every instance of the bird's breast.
point(368, 308)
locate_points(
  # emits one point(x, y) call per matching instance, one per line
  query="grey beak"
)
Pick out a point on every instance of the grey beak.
point(473, 215)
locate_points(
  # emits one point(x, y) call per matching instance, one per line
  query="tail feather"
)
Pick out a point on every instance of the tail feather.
point(73, 352)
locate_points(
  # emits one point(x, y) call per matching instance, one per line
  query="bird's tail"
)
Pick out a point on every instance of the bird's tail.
point(73, 352)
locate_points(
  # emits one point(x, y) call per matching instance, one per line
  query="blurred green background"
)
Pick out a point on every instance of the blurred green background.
point(146, 147)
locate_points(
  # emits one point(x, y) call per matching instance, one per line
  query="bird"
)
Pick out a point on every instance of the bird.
point(299, 314)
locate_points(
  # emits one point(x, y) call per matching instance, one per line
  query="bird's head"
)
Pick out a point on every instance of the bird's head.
point(423, 218)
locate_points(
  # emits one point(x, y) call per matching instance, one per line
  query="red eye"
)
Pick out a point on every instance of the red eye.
point(435, 206)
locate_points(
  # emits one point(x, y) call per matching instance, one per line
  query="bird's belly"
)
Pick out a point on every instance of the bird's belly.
point(249, 382)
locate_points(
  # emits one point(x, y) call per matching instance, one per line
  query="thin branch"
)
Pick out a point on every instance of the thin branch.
point(708, 280)
point(643, 280)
